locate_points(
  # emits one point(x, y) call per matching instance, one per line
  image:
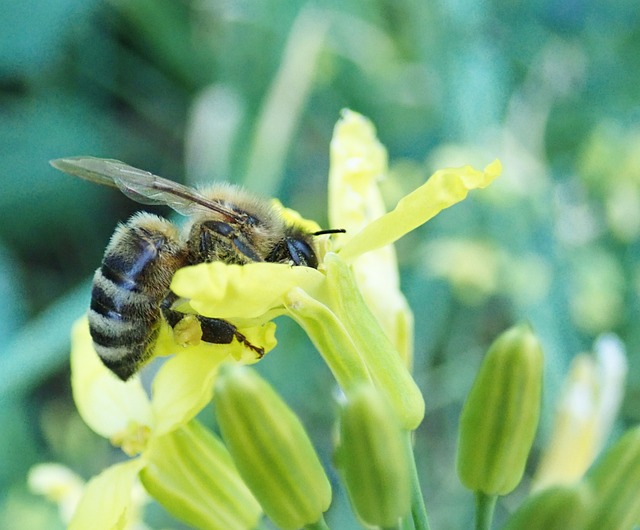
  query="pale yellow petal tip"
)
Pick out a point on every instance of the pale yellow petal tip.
point(353, 125)
point(107, 502)
point(358, 160)
point(587, 409)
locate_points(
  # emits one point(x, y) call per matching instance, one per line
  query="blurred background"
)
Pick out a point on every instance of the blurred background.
point(249, 91)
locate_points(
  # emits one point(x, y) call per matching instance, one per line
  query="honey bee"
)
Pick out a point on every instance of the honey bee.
point(131, 292)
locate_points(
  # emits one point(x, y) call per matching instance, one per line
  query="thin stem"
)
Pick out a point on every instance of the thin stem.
point(418, 509)
point(318, 525)
point(485, 505)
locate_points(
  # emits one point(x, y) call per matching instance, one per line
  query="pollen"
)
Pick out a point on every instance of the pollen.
point(133, 439)
point(188, 331)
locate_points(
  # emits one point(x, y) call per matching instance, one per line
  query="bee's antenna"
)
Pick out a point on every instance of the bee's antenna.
point(329, 231)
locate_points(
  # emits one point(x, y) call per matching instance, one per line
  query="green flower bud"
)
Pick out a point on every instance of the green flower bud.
point(387, 369)
point(271, 449)
point(615, 480)
point(190, 473)
point(329, 336)
point(373, 458)
point(555, 508)
point(500, 415)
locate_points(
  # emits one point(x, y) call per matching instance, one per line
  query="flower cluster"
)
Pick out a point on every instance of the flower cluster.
point(353, 311)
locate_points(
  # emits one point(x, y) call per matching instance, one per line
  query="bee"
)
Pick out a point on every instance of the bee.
point(131, 293)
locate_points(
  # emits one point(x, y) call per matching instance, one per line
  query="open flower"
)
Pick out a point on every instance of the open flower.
point(351, 307)
point(585, 413)
point(163, 439)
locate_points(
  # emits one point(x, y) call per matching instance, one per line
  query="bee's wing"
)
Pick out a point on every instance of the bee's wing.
point(141, 186)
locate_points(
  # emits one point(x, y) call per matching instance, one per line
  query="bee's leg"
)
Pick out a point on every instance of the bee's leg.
point(214, 330)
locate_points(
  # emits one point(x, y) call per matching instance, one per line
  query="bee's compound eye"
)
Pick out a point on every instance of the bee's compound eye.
point(302, 252)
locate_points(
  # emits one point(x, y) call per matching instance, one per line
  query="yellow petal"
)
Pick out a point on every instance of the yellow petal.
point(358, 162)
point(445, 188)
point(248, 291)
point(107, 502)
point(291, 216)
point(585, 413)
point(108, 405)
point(184, 384)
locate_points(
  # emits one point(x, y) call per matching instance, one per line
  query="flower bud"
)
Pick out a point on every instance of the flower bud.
point(555, 508)
point(329, 336)
point(271, 449)
point(615, 480)
point(191, 474)
point(387, 369)
point(373, 458)
point(500, 415)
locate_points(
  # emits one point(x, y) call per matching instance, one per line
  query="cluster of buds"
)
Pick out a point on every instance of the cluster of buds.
point(497, 429)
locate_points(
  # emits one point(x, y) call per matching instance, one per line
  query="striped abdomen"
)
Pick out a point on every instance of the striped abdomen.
point(128, 288)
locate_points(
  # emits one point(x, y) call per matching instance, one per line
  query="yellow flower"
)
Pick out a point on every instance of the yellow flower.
point(351, 306)
point(151, 430)
point(58, 484)
point(589, 403)
point(358, 164)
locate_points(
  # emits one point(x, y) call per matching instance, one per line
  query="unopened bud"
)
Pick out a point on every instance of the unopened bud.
point(191, 474)
point(271, 449)
point(373, 458)
point(615, 480)
point(501, 413)
point(555, 508)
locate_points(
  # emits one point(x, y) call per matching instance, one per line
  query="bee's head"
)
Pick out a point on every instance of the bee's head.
point(297, 248)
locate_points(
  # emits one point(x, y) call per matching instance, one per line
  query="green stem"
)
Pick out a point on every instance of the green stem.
point(485, 505)
point(418, 509)
point(407, 523)
point(318, 525)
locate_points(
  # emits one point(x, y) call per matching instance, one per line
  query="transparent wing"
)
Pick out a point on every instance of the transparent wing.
point(141, 186)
